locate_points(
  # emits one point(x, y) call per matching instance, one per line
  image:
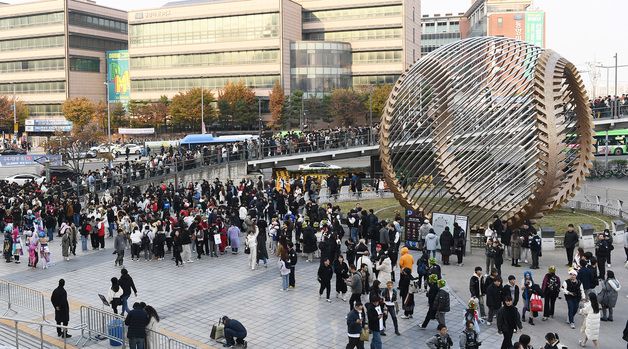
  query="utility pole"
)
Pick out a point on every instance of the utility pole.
point(302, 118)
point(371, 117)
point(259, 115)
point(108, 123)
point(202, 107)
point(14, 116)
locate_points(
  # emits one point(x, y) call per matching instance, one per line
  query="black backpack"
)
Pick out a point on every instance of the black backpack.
point(552, 284)
point(443, 301)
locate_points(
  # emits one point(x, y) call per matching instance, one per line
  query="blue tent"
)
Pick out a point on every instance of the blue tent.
point(197, 139)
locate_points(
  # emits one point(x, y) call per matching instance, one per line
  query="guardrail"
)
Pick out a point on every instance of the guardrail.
point(98, 325)
point(16, 295)
point(41, 325)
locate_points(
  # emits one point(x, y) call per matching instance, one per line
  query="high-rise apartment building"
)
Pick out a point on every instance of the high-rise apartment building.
point(51, 50)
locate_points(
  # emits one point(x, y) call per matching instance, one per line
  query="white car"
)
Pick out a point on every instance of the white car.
point(133, 149)
point(22, 179)
point(318, 166)
point(103, 148)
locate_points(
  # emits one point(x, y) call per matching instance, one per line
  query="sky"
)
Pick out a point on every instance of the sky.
point(580, 30)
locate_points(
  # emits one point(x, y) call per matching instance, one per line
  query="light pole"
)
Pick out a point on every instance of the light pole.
point(14, 115)
point(259, 114)
point(371, 116)
point(202, 107)
point(108, 123)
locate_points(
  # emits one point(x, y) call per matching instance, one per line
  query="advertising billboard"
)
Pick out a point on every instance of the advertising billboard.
point(118, 76)
point(535, 28)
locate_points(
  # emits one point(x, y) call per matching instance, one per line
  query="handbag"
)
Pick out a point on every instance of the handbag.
point(364, 335)
point(247, 250)
point(217, 240)
point(536, 304)
point(218, 331)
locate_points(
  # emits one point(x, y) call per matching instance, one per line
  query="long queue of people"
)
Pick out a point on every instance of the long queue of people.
point(207, 218)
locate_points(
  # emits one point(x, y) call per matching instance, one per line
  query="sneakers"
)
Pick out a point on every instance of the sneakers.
point(404, 317)
point(544, 318)
point(572, 325)
point(328, 300)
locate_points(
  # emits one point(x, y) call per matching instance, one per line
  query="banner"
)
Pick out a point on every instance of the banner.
point(29, 160)
point(136, 131)
point(535, 28)
point(118, 76)
point(412, 225)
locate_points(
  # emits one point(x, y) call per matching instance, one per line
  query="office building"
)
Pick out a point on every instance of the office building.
point(52, 50)
point(312, 45)
point(439, 30)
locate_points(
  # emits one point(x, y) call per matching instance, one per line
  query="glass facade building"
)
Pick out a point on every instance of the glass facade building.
point(439, 30)
point(35, 63)
point(319, 67)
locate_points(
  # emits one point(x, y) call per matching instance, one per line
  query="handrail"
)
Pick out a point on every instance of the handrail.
point(41, 330)
point(22, 296)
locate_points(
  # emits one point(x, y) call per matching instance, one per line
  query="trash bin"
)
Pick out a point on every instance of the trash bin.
point(116, 332)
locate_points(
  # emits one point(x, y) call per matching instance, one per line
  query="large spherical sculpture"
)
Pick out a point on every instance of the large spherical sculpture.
point(487, 126)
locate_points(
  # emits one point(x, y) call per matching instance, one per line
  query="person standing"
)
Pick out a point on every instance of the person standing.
point(440, 340)
point(508, 322)
point(356, 286)
point(529, 289)
point(127, 285)
point(608, 295)
point(494, 298)
point(119, 245)
point(459, 243)
point(515, 245)
point(114, 295)
point(591, 322)
point(284, 271)
point(602, 252)
point(356, 320)
point(324, 278)
point(406, 260)
point(574, 293)
point(431, 241)
point(375, 317)
point(535, 249)
point(570, 240)
point(469, 338)
point(446, 244)
point(342, 273)
point(136, 320)
point(477, 288)
point(59, 300)
point(153, 321)
point(389, 297)
point(551, 290)
point(234, 238)
point(251, 244)
point(292, 263)
point(384, 268)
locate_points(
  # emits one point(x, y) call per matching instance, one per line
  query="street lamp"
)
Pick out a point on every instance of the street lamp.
point(259, 114)
point(108, 122)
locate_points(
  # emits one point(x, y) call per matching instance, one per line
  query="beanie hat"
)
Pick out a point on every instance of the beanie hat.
point(551, 269)
point(441, 283)
point(432, 278)
point(432, 261)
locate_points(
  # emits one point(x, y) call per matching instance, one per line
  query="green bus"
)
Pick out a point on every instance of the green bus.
point(617, 142)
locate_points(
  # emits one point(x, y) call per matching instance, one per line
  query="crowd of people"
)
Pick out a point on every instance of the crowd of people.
point(270, 222)
point(609, 106)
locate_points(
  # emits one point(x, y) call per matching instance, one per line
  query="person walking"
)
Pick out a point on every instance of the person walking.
point(591, 323)
point(114, 295)
point(325, 274)
point(59, 300)
point(119, 244)
point(356, 320)
point(569, 242)
point(602, 253)
point(431, 242)
point(136, 321)
point(529, 290)
point(375, 317)
point(477, 288)
point(234, 238)
point(574, 293)
point(469, 338)
point(384, 268)
point(508, 322)
point(551, 290)
point(127, 285)
point(235, 333)
point(389, 297)
point(65, 242)
point(441, 339)
point(608, 295)
point(177, 248)
point(442, 302)
point(432, 295)
point(355, 282)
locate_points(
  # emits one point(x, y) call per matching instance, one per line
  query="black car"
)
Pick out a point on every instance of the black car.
point(13, 151)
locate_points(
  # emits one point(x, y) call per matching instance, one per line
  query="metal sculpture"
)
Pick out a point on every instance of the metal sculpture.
point(487, 126)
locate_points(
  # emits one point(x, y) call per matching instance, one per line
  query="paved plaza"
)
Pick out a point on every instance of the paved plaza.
point(190, 298)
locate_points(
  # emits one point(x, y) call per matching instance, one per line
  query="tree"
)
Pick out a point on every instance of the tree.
point(80, 111)
point(118, 116)
point(238, 101)
point(346, 107)
point(6, 113)
point(185, 108)
point(138, 112)
point(325, 105)
point(276, 104)
point(379, 98)
point(157, 112)
point(292, 109)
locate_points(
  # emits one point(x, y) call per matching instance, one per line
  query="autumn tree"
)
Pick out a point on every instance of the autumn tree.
point(238, 101)
point(346, 107)
point(377, 99)
point(276, 104)
point(6, 113)
point(292, 110)
point(185, 108)
point(80, 111)
point(157, 112)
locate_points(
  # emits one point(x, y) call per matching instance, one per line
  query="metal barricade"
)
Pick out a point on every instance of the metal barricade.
point(97, 325)
point(16, 295)
point(175, 344)
point(156, 340)
point(19, 335)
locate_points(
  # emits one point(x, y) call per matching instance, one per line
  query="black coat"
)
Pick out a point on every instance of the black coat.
point(508, 319)
point(506, 292)
point(136, 320)
point(571, 239)
point(446, 242)
point(494, 296)
point(325, 273)
point(373, 317)
point(59, 300)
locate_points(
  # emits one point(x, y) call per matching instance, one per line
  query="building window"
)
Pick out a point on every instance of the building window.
point(356, 35)
point(369, 80)
point(89, 21)
point(31, 21)
point(44, 110)
point(85, 64)
point(500, 22)
point(35, 65)
point(206, 59)
point(96, 44)
point(34, 43)
point(377, 57)
point(263, 81)
point(33, 87)
point(352, 13)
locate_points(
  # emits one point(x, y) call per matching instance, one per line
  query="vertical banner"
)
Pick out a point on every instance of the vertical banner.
point(118, 76)
point(535, 28)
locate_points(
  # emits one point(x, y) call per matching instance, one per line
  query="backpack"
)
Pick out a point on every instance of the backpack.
point(552, 284)
point(422, 267)
point(443, 301)
point(145, 240)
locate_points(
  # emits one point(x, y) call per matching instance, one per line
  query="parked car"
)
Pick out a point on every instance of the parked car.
point(318, 166)
point(133, 149)
point(103, 148)
point(21, 179)
point(13, 151)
